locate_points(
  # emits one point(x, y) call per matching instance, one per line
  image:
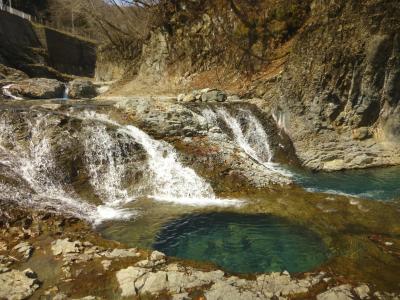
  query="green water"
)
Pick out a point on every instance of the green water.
point(376, 184)
point(242, 243)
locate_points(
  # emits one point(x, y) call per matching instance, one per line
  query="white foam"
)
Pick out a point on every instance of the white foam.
point(106, 213)
point(168, 180)
point(254, 142)
point(6, 91)
point(199, 201)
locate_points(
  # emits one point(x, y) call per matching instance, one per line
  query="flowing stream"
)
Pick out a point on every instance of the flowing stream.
point(66, 92)
point(250, 137)
point(135, 190)
point(6, 91)
point(105, 161)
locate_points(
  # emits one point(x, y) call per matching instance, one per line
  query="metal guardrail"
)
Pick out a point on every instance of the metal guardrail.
point(21, 14)
point(16, 12)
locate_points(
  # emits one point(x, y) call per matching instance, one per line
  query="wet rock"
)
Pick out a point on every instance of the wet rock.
point(18, 284)
point(38, 88)
point(25, 249)
point(65, 246)
point(362, 291)
point(80, 88)
point(342, 292)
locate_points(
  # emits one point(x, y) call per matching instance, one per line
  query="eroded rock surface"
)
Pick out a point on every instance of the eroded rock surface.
point(80, 88)
point(15, 285)
point(206, 95)
point(11, 74)
point(339, 91)
point(38, 88)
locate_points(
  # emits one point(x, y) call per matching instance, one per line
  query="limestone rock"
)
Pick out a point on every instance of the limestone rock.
point(213, 96)
point(126, 279)
point(224, 291)
point(361, 133)
point(106, 264)
point(122, 253)
point(65, 246)
point(153, 283)
point(281, 284)
point(80, 88)
point(17, 285)
point(24, 248)
point(157, 255)
point(38, 88)
point(205, 95)
point(362, 291)
point(342, 292)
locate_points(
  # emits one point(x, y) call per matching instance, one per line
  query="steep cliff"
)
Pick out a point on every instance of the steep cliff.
point(329, 71)
point(340, 88)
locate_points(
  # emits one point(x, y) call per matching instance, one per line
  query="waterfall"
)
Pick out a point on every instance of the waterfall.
point(6, 91)
point(249, 136)
point(66, 92)
point(210, 116)
point(255, 141)
point(103, 158)
point(280, 119)
point(168, 179)
point(31, 146)
point(35, 165)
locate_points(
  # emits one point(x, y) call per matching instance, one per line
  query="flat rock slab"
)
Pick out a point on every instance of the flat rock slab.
point(15, 285)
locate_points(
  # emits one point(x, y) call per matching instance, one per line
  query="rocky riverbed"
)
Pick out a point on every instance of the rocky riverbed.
point(47, 256)
point(62, 159)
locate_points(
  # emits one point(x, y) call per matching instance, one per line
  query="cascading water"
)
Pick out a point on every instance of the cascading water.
point(171, 181)
point(255, 141)
point(6, 91)
point(280, 119)
point(104, 162)
point(66, 92)
point(35, 166)
point(168, 180)
point(31, 163)
point(251, 138)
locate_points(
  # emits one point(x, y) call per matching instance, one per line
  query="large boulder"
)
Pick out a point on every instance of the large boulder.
point(16, 284)
point(38, 88)
point(11, 73)
point(205, 95)
point(80, 88)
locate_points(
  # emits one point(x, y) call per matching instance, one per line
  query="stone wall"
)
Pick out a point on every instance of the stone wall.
point(25, 45)
point(69, 54)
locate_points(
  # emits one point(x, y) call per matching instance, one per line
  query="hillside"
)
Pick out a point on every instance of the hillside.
point(329, 70)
